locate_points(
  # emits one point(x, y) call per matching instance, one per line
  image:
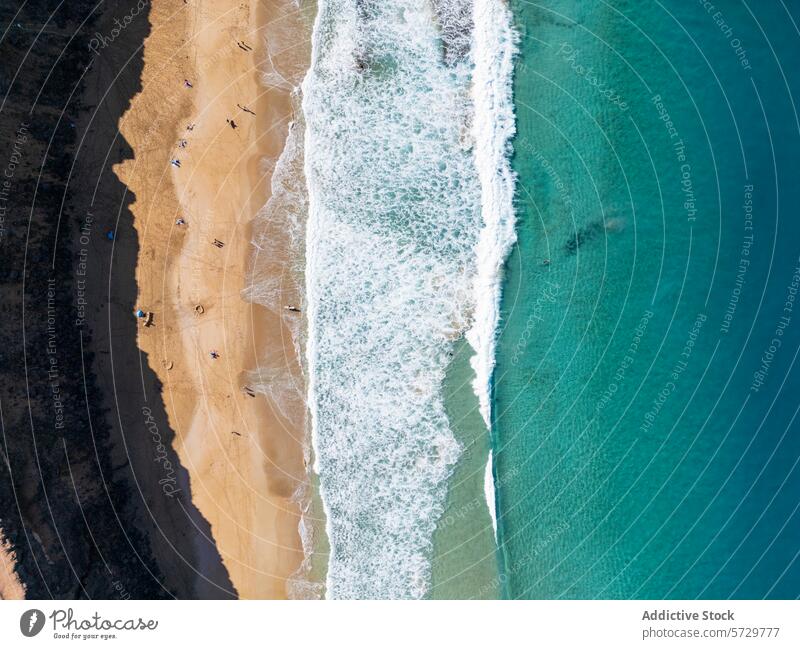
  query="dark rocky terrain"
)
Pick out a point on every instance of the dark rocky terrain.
point(81, 521)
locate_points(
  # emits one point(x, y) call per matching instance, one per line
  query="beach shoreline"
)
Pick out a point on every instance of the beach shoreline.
point(244, 460)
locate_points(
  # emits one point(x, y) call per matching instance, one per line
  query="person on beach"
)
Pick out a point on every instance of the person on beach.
point(245, 109)
point(231, 122)
point(187, 84)
point(175, 162)
point(182, 144)
point(218, 243)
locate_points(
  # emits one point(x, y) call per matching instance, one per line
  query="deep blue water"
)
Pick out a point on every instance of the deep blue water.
point(639, 454)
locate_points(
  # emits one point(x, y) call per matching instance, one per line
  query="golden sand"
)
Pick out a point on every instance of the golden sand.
point(245, 462)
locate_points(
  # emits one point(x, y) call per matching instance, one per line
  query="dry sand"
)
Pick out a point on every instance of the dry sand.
point(245, 462)
point(10, 586)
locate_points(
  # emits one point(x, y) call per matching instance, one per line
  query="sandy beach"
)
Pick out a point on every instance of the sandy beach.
point(203, 103)
point(10, 587)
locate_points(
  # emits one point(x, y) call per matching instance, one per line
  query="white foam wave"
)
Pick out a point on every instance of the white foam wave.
point(494, 126)
point(488, 491)
point(393, 224)
point(400, 262)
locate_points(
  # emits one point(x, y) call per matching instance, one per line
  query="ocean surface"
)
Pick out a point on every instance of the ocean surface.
point(622, 423)
point(645, 395)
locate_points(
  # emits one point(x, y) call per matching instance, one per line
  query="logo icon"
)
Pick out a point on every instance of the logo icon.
point(31, 622)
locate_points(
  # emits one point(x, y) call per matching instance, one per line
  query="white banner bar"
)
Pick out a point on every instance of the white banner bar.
point(545, 625)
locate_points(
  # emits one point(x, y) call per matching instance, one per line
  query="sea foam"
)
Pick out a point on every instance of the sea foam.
point(400, 263)
point(494, 126)
point(494, 49)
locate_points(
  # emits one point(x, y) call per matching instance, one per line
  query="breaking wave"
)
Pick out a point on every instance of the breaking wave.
point(407, 127)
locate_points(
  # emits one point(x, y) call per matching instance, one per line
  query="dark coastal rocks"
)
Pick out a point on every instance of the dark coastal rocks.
point(76, 500)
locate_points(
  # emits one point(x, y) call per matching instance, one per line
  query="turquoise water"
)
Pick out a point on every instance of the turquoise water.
point(645, 435)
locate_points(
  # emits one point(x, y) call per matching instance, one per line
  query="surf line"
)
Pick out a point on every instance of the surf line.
point(494, 49)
